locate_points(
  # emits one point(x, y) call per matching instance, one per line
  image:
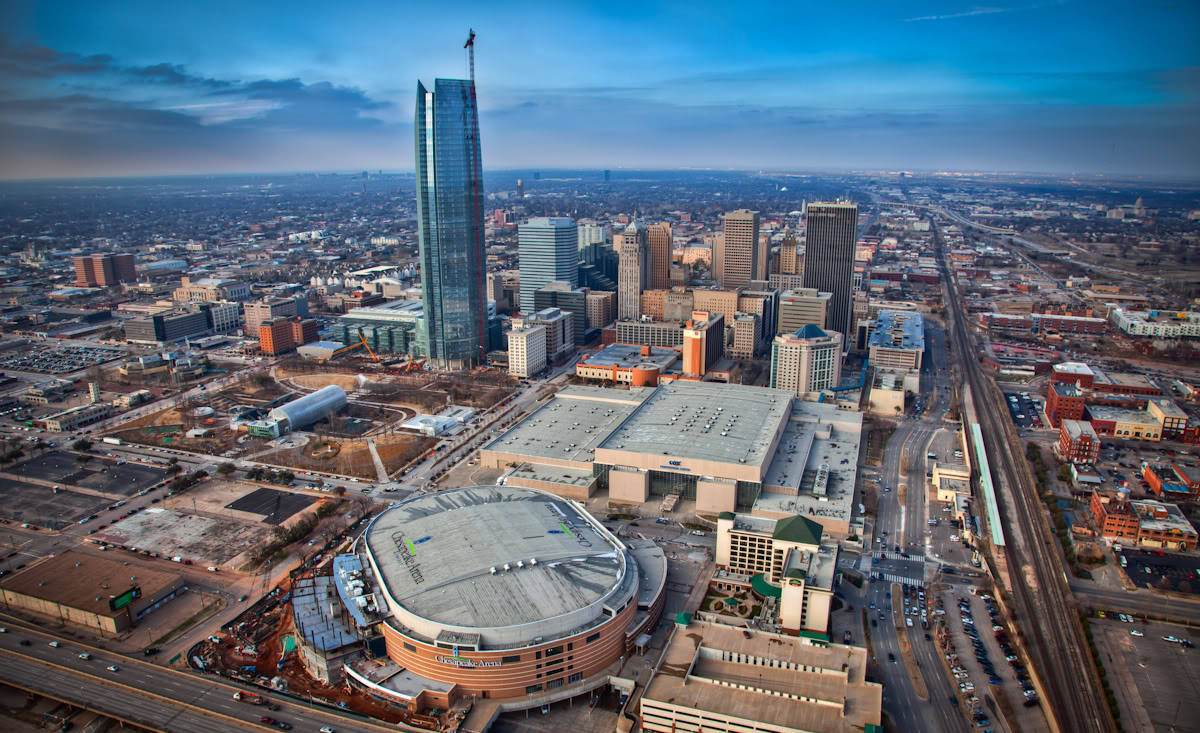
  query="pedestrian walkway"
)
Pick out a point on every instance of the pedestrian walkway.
point(910, 557)
point(380, 472)
point(901, 579)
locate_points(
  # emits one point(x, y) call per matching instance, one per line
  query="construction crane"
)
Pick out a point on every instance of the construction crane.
point(362, 341)
point(470, 46)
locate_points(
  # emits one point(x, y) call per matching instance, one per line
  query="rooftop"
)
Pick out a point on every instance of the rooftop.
point(1073, 367)
point(571, 424)
point(1077, 429)
point(442, 558)
point(776, 679)
point(625, 356)
point(815, 466)
point(87, 582)
point(1123, 379)
point(898, 330)
point(724, 423)
point(1120, 414)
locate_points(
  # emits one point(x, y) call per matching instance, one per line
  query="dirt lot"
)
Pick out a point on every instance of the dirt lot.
point(353, 457)
point(348, 382)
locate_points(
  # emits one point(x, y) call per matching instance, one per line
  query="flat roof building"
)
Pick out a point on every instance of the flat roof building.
point(897, 340)
point(718, 678)
point(627, 364)
point(806, 361)
point(800, 307)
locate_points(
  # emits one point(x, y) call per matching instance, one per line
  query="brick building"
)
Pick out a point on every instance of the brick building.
point(1078, 442)
point(275, 336)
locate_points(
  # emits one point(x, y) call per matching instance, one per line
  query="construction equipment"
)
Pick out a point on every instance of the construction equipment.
point(362, 341)
point(470, 46)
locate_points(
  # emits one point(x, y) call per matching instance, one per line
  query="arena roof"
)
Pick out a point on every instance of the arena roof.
point(435, 555)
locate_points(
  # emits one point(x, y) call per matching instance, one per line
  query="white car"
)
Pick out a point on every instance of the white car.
point(1135, 632)
point(327, 729)
point(85, 656)
point(113, 668)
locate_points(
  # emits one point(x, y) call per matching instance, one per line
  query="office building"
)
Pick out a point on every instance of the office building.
point(725, 679)
point(548, 251)
point(762, 259)
point(393, 327)
point(601, 308)
point(764, 304)
point(801, 307)
point(210, 288)
point(807, 360)
point(223, 318)
point(744, 340)
point(829, 258)
point(269, 309)
point(659, 238)
point(591, 233)
point(527, 351)
point(650, 333)
point(703, 343)
point(638, 366)
point(304, 330)
point(104, 270)
point(633, 275)
point(559, 343)
point(275, 337)
point(897, 340)
point(1143, 523)
point(450, 223)
point(652, 304)
point(560, 294)
point(789, 257)
point(164, 328)
point(735, 256)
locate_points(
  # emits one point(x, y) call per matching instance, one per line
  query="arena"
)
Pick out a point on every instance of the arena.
point(501, 592)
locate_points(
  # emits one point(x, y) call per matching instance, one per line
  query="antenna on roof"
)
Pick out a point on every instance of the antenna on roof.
point(470, 46)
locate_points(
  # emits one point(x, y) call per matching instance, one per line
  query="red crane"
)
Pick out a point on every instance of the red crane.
point(470, 46)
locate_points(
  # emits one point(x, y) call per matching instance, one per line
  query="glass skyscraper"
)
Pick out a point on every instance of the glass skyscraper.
point(450, 222)
point(829, 259)
point(548, 252)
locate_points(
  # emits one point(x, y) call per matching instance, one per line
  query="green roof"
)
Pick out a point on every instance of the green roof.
point(683, 618)
point(726, 515)
point(798, 529)
point(796, 573)
point(814, 635)
point(763, 588)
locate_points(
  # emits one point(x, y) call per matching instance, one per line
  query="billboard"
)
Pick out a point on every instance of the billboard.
point(116, 603)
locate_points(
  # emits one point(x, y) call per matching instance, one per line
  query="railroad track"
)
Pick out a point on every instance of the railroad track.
point(1048, 613)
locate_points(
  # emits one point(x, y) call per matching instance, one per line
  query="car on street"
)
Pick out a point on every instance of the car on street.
point(113, 668)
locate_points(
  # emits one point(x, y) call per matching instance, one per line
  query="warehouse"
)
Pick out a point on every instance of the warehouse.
point(504, 593)
point(89, 591)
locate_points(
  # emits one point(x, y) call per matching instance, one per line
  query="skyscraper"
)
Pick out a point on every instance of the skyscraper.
point(809, 360)
point(633, 271)
point(548, 252)
point(829, 257)
point(659, 236)
point(735, 258)
point(450, 222)
point(788, 263)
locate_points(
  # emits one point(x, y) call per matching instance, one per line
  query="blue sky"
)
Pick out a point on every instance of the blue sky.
point(124, 88)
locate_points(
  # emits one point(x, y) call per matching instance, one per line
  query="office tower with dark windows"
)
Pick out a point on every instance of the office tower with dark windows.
point(735, 258)
point(549, 252)
point(829, 258)
point(659, 236)
point(450, 222)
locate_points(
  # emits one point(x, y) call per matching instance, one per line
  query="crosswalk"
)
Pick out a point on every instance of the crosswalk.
point(881, 555)
point(902, 579)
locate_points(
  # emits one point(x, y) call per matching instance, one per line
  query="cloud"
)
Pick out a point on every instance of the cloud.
point(963, 14)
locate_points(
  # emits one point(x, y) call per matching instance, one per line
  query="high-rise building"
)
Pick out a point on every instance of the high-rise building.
point(592, 233)
point(549, 252)
point(703, 343)
point(809, 360)
point(561, 295)
point(762, 258)
point(275, 336)
point(788, 257)
point(104, 270)
point(450, 222)
point(601, 308)
point(633, 270)
point(735, 259)
point(829, 257)
point(268, 309)
point(897, 340)
point(304, 330)
point(659, 236)
point(800, 307)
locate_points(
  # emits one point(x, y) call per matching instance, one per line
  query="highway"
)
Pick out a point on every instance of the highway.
point(1043, 606)
point(145, 694)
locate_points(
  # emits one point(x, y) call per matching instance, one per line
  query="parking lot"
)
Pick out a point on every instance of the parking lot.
point(1157, 682)
point(1147, 568)
point(105, 476)
point(41, 506)
point(203, 540)
point(983, 662)
point(1025, 411)
point(57, 359)
point(273, 505)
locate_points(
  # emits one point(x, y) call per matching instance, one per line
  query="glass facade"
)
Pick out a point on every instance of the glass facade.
point(450, 222)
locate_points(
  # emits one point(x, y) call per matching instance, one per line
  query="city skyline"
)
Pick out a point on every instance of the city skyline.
point(1054, 87)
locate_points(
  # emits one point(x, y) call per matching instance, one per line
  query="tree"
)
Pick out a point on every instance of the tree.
point(83, 458)
point(226, 469)
point(83, 444)
point(1064, 472)
point(173, 468)
point(340, 490)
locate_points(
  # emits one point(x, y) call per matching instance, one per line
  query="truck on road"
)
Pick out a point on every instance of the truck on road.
point(248, 697)
point(111, 441)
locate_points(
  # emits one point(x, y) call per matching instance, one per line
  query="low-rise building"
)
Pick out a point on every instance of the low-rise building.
point(1119, 422)
point(1169, 415)
point(724, 679)
point(639, 366)
point(897, 340)
point(1174, 481)
point(1147, 523)
point(77, 417)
